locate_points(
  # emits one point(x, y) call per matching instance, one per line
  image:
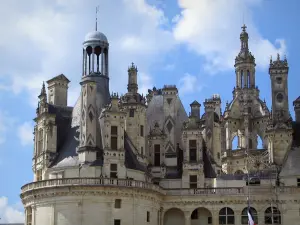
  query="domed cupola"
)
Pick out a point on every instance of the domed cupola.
point(95, 54)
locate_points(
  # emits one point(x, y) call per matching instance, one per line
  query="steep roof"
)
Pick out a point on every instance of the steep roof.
point(61, 77)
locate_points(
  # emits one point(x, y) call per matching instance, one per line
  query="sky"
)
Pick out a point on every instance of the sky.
point(189, 43)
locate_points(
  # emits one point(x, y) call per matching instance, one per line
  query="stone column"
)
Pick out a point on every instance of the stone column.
point(161, 214)
point(93, 59)
point(102, 61)
point(215, 217)
point(187, 216)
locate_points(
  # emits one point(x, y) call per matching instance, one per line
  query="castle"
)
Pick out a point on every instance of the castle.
point(135, 160)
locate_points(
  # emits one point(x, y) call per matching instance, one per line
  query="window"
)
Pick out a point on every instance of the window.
point(226, 216)
point(28, 216)
point(118, 203)
point(279, 97)
point(193, 181)
point(40, 142)
point(194, 215)
point(272, 216)
point(245, 215)
point(193, 150)
point(279, 80)
point(113, 170)
point(142, 150)
point(38, 175)
point(209, 220)
point(298, 182)
point(148, 216)
point(117, 222)
point(248, 78)
point(114, 138)
point(131, 113)
point(156, 155)
point(218, 155)
point(142, 131)
point(242, 79)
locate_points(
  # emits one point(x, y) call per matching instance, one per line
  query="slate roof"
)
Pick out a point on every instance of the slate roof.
point(59, 77)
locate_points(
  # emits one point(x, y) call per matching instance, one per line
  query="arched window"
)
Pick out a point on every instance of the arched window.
point(272, 216)
point(235, 143)
point(248, 78)
point(242, 79)
point(245, 215)
point(226, 216)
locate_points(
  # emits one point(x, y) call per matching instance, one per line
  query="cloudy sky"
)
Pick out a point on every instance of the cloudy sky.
point(190, 43)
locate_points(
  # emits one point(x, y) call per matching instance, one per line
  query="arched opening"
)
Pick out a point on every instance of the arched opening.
point(239, 172)
point(235, 143)
point(226, 216)
point(97, 52)
point(272, 216)
point(201, 216)
point(260, 143)
point(89, 51)
point(174, 216)
point(248, 79)
point(242, 79)
point(253, 213)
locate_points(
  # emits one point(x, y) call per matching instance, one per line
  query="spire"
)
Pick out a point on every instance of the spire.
point(43, 91)
point(97, 10)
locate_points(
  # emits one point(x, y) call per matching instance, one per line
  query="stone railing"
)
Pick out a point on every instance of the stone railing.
point(205, 191)
point(237, 191)
point(91, 182)
point(66, 182)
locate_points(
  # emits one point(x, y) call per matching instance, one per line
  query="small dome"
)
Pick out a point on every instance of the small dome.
point(95, 36)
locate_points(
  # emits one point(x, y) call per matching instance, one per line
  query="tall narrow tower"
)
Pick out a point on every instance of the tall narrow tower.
point(279, 84)
point(279, 130)
point(94, 94)
point(245, 64)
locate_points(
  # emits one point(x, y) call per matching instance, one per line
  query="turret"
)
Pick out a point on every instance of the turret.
point(279, 129)
point(244, 64)
point(279, 86)
point(132, 79)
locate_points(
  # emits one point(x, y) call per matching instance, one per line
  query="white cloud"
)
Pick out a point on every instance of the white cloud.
point(212, 28)
point(25, 133)
point(44, 39)
point(5, 123)
point(189, 84)
point(145, 83)
point(10, 213)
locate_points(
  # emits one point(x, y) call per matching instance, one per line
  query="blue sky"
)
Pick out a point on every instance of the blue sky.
point(190, 43)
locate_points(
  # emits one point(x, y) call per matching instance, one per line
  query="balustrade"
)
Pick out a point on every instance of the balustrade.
point(150, 186)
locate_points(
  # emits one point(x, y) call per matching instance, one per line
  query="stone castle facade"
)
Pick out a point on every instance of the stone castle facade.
point(141, 160)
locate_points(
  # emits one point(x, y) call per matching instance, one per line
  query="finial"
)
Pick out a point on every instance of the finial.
point(271, 59)
point(285, 58)
point(244, 27)
point(278, 57)
point(43, 91)
point(97, 9)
